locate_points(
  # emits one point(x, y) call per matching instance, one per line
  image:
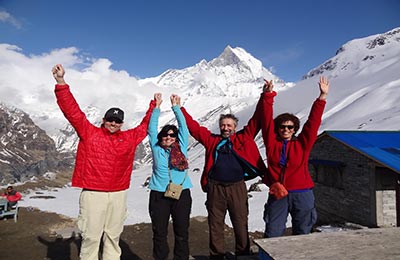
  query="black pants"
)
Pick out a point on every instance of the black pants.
point(160, 209)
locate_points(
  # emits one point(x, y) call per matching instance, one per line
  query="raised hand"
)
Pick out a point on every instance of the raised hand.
point(268, 86)
point(58, 74)
point(158, 99)
point(178, 101)
point(323, 87)
point(175, 100)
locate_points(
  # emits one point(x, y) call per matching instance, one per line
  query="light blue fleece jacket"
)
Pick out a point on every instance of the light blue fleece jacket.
point(160, 178)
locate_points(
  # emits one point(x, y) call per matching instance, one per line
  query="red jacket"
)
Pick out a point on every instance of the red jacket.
point(298, 149)
point(104, 161)
point(14, 196)
point(242, 142)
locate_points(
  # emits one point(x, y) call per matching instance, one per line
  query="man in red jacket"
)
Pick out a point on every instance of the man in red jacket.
point(231, 158)
point(12, 197)
point(103, 169)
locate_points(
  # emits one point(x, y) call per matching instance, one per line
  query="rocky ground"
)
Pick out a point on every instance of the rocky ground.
point(37, 236)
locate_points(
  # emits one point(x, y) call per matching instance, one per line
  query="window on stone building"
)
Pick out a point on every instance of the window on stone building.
point(328, 173)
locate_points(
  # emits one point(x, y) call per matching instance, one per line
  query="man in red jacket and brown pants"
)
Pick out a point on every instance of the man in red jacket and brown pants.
point(231, 158)
point(103, 169)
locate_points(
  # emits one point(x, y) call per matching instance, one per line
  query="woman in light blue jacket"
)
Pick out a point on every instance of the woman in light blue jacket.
point(169, 150)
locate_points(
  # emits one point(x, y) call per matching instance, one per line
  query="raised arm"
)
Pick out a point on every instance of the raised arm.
point(309, 132)
point(267, 120)
point(200, 133)
point(254, 124)
point(141, 130)
point(183, 131)
point(68, 104)
point(153, 124)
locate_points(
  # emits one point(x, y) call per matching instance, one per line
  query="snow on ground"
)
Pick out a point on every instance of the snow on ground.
point(66, 200)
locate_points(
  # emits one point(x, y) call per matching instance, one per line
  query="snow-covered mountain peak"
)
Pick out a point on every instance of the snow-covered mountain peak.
point(231, 56)
point(378, 51)
point(234, 73)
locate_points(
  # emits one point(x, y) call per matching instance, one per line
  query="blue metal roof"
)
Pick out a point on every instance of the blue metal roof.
point(381, 146)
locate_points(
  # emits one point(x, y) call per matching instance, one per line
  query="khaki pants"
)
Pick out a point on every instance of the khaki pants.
point(101, 216)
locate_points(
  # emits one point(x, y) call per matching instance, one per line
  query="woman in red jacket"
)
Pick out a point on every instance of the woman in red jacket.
point(287, 155)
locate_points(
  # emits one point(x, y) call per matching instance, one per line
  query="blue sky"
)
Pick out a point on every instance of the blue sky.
point(145, 38)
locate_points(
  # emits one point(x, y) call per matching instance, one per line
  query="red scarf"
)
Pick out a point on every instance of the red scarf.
point(177, 159)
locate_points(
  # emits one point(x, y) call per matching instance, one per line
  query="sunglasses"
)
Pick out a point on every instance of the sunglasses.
point(168, 134)
point(290, 127)
point(114, 119)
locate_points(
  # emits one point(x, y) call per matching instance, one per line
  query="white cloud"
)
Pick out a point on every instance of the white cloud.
point(26, 82)
point(8, 18)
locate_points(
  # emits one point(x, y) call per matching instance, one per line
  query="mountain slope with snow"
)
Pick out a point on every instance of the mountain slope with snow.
point(365, 84)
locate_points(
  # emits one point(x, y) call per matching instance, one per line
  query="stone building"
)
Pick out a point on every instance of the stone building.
point(357, 177)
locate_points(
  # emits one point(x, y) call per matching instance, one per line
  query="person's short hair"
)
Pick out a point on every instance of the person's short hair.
point(10, 188)
point(165, 130)
point(228, 116)
point(286, 117)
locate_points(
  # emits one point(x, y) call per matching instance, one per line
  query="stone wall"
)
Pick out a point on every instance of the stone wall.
point(354, 201)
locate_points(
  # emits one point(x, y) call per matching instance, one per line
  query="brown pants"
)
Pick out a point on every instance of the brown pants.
point(232, 197)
